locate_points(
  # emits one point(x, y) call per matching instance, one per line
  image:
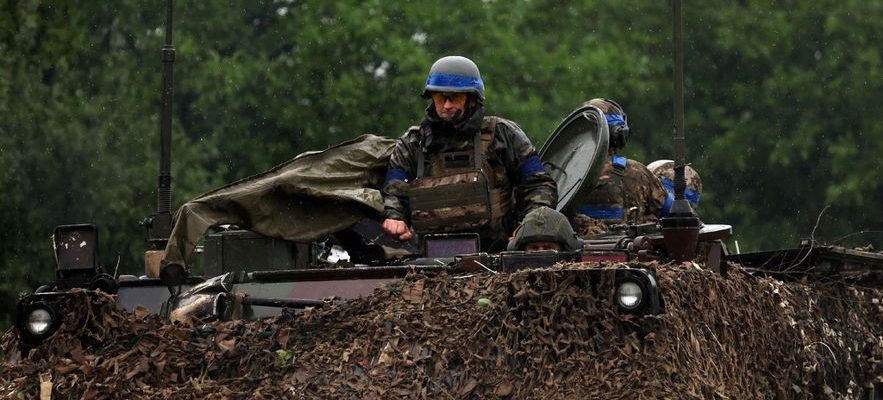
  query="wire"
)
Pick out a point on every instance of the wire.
point(812, 238)
point(861, 232)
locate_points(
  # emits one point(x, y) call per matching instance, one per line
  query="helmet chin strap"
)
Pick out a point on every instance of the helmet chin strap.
point(458, 121)
point(458, 116)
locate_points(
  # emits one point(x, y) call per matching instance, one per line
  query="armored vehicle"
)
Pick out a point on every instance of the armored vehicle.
point(286, 254)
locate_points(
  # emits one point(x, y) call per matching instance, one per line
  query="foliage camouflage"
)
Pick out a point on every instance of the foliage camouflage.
point(539, 334)
point(780, 99)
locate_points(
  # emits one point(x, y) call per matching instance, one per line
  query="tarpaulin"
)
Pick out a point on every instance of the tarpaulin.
point(311, 195)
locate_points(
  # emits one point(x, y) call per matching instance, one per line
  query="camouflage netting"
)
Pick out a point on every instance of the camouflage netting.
point(536, 334)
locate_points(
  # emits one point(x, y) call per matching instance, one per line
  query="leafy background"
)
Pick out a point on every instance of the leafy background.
point(782, 100)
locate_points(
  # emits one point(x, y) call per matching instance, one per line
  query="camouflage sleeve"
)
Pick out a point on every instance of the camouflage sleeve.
point(534, 187)
point(400, 170)
point(658, 199)
point(654, 199)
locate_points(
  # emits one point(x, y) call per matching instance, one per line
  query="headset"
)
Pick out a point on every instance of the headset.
point(619, 134)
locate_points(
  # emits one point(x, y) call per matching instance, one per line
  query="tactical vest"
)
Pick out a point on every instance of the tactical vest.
point(461, 192)
point(606, 201)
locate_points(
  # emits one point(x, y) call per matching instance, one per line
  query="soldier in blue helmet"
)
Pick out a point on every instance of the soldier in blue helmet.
point(462, 171)
point(626, 191)
point(665, 171)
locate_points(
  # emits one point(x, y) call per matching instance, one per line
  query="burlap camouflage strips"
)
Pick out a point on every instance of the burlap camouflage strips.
point(526, 335)
point(588, 228)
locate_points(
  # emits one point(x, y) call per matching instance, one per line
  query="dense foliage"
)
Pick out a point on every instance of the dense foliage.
point(781, 100)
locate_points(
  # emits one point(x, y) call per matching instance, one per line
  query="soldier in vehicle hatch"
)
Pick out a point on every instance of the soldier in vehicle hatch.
point(544, 229)
point(462, 171)
point(626, 191)
point(665, 171)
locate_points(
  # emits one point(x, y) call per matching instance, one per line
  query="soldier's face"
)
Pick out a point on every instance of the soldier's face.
point(449, 105)
point(542, 246)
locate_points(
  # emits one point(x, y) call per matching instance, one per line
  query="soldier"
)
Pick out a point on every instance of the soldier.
point(460, 170)
point(665, 171)
point(544, 229)
point(626, 190)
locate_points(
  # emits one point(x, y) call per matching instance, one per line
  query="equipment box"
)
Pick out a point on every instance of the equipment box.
point(231, 251)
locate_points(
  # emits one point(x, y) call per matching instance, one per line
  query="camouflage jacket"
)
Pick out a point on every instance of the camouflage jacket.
point(644, 191)
point(511, 156)
point(641, 190)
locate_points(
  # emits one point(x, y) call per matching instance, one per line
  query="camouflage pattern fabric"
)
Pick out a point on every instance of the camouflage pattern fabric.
point(458, 202)
point(511, 156)
point(665, 171)
point(588, 227)
point(644, 191)
point(544, 224)
point(641, 191)
point(604, 200)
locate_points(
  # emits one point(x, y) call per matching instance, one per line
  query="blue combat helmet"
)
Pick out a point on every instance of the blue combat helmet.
point(454, 74)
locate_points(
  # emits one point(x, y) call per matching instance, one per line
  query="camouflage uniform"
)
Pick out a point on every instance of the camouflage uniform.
point(624, 184)
point(644, 191)
point(665, 171)
point(637, 187)
point(515, 166)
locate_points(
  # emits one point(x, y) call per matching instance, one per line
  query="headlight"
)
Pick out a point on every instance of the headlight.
point(36, 320)
point(39, 321)
point(629, 295)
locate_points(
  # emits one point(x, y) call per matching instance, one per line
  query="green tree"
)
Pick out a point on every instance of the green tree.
point(790, 123)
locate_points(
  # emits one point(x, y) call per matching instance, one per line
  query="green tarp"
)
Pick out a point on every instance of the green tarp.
point(311, 195)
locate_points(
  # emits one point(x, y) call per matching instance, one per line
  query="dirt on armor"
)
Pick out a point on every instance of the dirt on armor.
point(536, 334)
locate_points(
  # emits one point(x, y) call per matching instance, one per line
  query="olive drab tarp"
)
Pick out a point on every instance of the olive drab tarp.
point(311, 195)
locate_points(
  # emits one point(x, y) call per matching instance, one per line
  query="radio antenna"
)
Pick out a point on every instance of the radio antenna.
point(159, 227)
point(680, 228)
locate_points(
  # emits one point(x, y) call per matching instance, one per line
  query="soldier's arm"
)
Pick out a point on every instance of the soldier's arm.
point(400, 170)
point(534, 187)
point(658, 199)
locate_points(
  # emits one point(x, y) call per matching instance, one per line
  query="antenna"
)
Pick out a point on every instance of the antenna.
point(680, 229)
point(159, 226)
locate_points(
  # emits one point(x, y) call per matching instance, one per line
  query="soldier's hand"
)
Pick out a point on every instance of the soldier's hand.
point(397, 228)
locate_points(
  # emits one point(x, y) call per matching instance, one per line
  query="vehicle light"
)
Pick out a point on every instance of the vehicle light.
point(39, 321)
point(35, 320)
point(629, 295)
